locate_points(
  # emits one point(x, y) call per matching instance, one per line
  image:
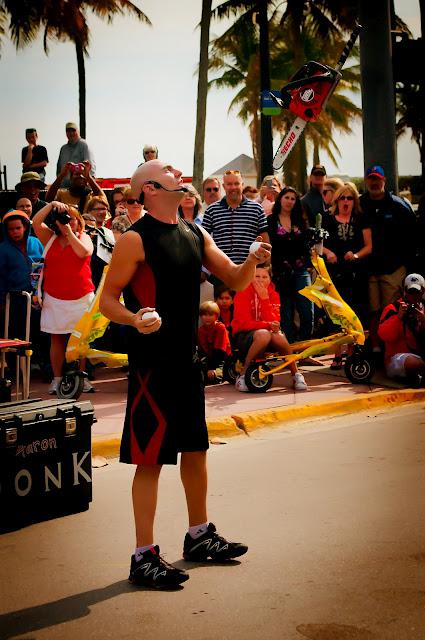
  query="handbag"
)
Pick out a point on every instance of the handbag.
point(40, 290)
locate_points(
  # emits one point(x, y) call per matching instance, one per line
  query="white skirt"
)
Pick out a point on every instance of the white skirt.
point(61, 316)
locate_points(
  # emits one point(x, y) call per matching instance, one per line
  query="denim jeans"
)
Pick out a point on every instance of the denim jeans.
point(289, 301)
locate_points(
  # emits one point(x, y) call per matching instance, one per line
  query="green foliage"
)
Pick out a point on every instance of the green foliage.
point(294, 38)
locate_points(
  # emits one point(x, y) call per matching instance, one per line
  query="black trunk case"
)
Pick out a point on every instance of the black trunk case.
point(45, 460)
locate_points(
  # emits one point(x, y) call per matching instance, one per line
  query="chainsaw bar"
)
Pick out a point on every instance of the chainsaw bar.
point(288, 143)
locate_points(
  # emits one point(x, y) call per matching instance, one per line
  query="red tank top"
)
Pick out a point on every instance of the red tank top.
point(66, 276)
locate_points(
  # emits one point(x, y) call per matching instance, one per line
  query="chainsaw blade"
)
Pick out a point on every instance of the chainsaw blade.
point(288, 143)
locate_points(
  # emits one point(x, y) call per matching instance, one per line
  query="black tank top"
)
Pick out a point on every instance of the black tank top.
point(169, 281)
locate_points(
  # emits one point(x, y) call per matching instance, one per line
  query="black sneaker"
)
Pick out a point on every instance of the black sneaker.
point(154, 572)
point(211, 545)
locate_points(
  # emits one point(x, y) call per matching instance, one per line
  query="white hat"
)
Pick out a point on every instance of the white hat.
point(414, 281)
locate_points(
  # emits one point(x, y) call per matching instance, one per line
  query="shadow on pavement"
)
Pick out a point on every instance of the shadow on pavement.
point(49, 614)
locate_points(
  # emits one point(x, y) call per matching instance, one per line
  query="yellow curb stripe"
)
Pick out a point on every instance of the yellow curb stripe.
point(358, 403)
point(108, 446)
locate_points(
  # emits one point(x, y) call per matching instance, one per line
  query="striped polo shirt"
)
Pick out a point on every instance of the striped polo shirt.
point(233, 230)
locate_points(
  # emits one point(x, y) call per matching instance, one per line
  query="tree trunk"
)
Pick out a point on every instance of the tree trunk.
point(422, 89)
point(201, 106)
point(266, 149)
point(316, 156)
point(81, 87)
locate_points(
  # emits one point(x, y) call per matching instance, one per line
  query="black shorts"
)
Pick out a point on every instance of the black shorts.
point(165, 415)
point(242, 342)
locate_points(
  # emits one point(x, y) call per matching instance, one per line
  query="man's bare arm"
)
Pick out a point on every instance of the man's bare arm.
point(128, 254)
point(236, 277)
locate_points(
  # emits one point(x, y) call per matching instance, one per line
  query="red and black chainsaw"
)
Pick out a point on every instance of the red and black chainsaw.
point(306, 95)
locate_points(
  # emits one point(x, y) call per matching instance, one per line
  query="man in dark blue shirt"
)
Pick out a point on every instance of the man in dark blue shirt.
point(393, 227)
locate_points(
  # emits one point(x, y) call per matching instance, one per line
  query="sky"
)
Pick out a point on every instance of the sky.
point(142, 88)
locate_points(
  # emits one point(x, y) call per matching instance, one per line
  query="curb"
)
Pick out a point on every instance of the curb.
point(227, 426)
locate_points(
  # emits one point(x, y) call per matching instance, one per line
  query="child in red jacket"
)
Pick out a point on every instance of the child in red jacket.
point(256, 326)
point(213, 342)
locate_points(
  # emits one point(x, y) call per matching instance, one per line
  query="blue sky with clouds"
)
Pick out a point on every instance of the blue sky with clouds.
point(141, 87)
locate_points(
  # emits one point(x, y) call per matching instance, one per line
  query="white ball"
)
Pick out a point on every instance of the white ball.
point(254, 247)
point(150, 315)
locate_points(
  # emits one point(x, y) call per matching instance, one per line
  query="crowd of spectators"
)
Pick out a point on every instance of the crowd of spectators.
point(374, 247)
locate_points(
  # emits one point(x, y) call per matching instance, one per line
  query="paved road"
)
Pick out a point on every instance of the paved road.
point(332, 511)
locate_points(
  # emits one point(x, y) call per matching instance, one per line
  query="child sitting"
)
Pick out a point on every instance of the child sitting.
point(256, 326)
point(213, 342)
point(224, 299)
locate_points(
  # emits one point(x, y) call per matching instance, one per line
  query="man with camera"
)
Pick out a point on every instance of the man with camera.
point(82, 189)
point(76, 151)
point(402, 330)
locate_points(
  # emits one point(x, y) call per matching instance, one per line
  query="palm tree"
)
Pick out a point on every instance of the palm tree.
point(63, 21)
point(201, 105)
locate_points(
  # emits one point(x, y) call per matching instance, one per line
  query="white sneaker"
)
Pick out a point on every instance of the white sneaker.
point(299, 382)
point(241, 384)
point(53, 389)
point(88, 387)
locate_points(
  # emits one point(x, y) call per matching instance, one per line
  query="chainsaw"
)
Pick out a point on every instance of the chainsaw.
point(307, 94)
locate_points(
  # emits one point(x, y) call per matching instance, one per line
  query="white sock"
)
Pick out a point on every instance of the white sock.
point(57, 380)
point(198, 530)
point(141, 550)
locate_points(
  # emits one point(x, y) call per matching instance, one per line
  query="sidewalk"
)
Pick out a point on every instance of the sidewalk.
point(228, 411)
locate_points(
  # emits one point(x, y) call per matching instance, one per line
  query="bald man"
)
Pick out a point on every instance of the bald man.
point(157, 264)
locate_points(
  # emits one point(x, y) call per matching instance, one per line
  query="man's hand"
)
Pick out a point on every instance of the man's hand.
point(402, 310)
point(87, 168)
point(263, 253)
point(146, 326)
point(211, 374)
point(66, 169)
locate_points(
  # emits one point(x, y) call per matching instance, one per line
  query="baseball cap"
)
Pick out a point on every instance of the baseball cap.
point(30, 176)
point(414, 281)
point(375, 170)
point(318, 170)
point(71, 125)
point(16, 214)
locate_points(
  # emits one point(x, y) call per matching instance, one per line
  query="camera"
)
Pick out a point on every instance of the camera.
point(269, 183)
point(76, 167)
point(57, 216)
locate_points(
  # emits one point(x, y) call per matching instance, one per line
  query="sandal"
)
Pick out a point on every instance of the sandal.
point(336, 363)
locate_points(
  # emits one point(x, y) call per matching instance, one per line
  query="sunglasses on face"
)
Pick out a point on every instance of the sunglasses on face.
point(100, 209)
point(346, 198)
point(132, 201)
point(209, 189)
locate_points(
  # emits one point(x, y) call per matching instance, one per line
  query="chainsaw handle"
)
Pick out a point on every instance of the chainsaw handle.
point(348, 47)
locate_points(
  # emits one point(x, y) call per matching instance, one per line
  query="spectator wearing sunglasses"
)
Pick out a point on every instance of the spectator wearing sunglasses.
point(211, 192)
point(132, 207)
point(346, 251)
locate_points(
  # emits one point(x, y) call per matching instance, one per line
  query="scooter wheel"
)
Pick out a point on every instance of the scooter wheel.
point(359, 369)
point(71, 386)
point(229, 371)
point(253, 380)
